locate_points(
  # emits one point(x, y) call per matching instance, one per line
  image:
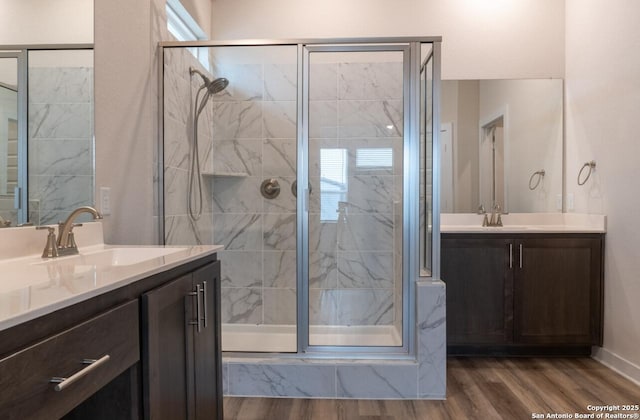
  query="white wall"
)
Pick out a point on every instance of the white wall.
point(460, 103)
point(533, 138)
point(481, 38)
point(200, 11)
point(46, 21)
point(126, 118)
point(603, 97)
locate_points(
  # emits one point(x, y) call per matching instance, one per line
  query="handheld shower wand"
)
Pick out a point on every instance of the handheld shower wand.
point(211, 87)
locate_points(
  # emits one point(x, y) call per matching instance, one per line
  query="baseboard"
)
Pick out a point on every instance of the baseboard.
point(619, 364)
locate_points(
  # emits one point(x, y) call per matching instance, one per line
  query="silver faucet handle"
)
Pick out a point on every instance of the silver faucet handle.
point(481, 209)
point(51, 248)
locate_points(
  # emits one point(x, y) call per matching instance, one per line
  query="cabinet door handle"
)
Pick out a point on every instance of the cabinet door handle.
point(510, 255)
point(63, 383)
point(196, 294)
point(521, 248)
point(204, 301)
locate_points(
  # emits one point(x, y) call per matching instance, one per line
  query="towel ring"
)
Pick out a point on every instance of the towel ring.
point(540, 174)
point(591, 165)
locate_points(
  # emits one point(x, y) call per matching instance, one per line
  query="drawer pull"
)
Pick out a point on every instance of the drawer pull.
point(521, 255)
point(93, 364)
point(510, 255)
point(204, 302)
point(196, 294)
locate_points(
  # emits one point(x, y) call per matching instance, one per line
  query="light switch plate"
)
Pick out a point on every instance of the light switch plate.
point(105, 201)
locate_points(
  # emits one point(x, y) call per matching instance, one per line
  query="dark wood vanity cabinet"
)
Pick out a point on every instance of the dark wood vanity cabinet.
point(181, 337)
point(523, 294)
point(479, 286)
point(83, 359)
point(153, 360)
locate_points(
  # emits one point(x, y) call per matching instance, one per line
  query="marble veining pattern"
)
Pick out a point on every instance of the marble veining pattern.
point(377, 381)
point(279, 306)
point(371, 80)
point(432, 341)
point(241, 268)
point(237, 120)
point(280, 82)
point(370, 118)
point(279, 269)
point(63, 84)
point(365, 307)
point(253, 124)
point(61, 121)
point(242, 305)
point(282, 380)
point(279, 157)
point(236, 195)
point(423, 378)
point(279, 119)
point(238, 231)
point(60, 140)
point(372, 270)
point(60, 157)
point(352, 278)
point(238, 156)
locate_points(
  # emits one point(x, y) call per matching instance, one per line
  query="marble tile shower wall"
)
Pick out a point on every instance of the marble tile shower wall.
point(60, 141)
point(356, 262)
point(254, 132)
point(179, 96)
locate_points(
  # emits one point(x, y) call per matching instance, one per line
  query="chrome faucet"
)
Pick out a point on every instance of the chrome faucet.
point(496, 217)
point(66, 242)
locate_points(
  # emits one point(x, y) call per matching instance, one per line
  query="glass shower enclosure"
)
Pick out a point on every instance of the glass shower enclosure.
point(310, 175)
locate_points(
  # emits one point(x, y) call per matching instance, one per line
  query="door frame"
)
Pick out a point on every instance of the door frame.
point(410, 179)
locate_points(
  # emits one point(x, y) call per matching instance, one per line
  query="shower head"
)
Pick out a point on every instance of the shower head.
point(215, 86)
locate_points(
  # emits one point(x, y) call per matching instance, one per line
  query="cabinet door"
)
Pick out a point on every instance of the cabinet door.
point(479, 290)
point(558, 291)
point(165, 343)
point(206, 345)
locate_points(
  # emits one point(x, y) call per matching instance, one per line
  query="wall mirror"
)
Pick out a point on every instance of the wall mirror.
point(46, 110)
point(502, 143)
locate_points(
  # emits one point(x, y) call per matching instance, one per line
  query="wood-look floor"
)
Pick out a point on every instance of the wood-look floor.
point(477, 388)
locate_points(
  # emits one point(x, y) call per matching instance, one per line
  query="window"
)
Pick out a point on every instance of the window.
point(182, 26)
point(333, 183)
point(378, 158)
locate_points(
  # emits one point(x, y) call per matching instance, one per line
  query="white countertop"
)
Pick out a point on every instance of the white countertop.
point(525, 223)
point(31, 286)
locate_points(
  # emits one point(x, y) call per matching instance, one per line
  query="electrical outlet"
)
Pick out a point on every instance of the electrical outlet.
point(105, 201)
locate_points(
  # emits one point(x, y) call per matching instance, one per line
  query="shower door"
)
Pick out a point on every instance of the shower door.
point(353, 138)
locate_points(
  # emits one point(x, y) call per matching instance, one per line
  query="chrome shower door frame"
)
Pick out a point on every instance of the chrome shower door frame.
point(411, 48)
point(411, 83)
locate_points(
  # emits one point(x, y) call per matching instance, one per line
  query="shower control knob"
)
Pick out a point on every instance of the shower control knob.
point(270, 188)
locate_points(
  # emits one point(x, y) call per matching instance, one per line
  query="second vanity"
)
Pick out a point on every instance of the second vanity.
point(531, 287)
point(115, 332)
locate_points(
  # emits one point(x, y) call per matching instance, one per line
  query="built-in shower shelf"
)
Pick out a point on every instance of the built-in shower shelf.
point(226, 174)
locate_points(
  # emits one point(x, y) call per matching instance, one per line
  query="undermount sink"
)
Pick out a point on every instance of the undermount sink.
point(113, 257)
